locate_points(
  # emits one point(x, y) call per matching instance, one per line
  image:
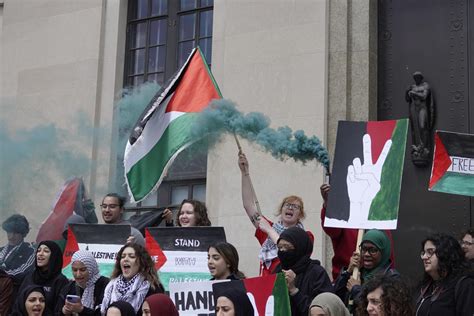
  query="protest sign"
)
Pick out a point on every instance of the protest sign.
point(180, 254)
point(193, 298)
point(453, 163)
point(367, 175)
point(103, 241)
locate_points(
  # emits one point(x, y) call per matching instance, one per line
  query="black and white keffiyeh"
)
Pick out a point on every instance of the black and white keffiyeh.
point(269, 250)
point(132, 291)
point(92, 267)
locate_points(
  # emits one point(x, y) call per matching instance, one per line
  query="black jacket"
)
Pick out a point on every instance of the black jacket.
point(71, 288)
point(455, 299)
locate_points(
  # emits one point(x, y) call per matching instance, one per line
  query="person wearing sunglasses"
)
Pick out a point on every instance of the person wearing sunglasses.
point(373, 259)
point(447, 287)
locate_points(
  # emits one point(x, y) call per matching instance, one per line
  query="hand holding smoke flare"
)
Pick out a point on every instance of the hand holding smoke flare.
point(221, 116)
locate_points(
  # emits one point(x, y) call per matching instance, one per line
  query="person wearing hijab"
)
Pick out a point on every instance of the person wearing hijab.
point(304, 277)
point(374, 259)
point(134, 278)
point(328, 304)
point(88, 284)
point(158, 305)
point(120, 308)
point(233, 302)
point(47, 273)
point(31, 301)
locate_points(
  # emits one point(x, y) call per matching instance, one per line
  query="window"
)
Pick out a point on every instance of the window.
point(161, 34)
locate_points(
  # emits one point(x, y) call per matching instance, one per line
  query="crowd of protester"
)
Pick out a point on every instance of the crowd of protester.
point(365, 281)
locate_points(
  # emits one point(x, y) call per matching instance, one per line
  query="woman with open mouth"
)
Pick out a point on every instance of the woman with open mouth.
point(134, 278)
point(448, 282)
point(47, 273)
point(290, 214)
point(374, 259)
point(30, 302)
point(191, 213)
point(88, 284)
point(223, 262)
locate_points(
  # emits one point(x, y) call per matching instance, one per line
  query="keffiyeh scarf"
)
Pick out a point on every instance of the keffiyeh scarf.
point(269, 250)
point(88, 260)
point(132, 291)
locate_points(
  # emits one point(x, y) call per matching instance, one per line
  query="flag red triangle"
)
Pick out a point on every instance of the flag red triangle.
point(154, 250)
point(261, 288)
point(71, 247)
point(196, 88)
point(441, 161)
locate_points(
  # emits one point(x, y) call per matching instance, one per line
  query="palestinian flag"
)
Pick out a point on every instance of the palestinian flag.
point(164, 129)
point(268, 294)
point(180, 254)
point(453, 163)
point(104, 241)
point(367, 174)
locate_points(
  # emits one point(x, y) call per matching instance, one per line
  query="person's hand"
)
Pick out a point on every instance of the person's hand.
point(130, 240)
point(363, 180)
point(351, 282)
point(167, 215)
point(264, 225)
point(354, 262)
point(243, 164)
point(290, 277)
point(66, 310)
point(325, 188)
point(73, 307)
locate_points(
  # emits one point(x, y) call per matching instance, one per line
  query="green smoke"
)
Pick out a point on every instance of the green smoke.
point(222, 116)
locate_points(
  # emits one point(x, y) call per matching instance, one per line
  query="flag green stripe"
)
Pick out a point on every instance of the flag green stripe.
point(144, 175)
point(385, 204)
point(280, 294)
point(456, 183)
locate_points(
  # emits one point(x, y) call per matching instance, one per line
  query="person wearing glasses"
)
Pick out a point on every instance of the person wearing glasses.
point(112, 208)
point(373, 260)
point(289, 214)
point(447, 287)
point(467, 245)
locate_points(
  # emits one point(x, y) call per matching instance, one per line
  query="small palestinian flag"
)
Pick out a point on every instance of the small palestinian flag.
point(453, 163)
point(268, 294)
point(367, 175)
point(104, 241)
point(180, 254)
point(164, 129)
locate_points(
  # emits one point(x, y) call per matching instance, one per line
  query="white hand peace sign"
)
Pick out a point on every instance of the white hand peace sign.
point(363, 180)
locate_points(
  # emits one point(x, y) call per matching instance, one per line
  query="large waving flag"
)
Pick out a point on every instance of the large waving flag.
point(164, 129)
point(453, 163)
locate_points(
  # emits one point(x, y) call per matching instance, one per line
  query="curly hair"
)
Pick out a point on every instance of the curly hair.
point(200, 212)
point(230, 256)
point(291, 199)
point(145, 262)
point(450, 256)
point(396, 296)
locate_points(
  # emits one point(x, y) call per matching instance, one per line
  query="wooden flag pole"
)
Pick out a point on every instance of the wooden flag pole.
point(255, 200)
point(355, 273)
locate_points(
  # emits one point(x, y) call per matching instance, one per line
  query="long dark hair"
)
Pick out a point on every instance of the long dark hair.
point(230, 256)
point(200, 212)
point(146, 264)
point(451, 260)
point(396, 297)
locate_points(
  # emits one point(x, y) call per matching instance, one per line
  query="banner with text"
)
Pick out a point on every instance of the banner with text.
point(453, 163)
point(180, 254)
point(104, 241)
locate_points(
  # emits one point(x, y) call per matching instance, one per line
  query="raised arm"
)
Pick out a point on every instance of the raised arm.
point(247, 193)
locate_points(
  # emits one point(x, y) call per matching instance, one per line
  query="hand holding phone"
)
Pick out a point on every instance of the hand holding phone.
point(73, 298)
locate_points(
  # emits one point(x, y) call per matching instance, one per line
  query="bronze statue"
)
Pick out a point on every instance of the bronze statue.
point(422, 118)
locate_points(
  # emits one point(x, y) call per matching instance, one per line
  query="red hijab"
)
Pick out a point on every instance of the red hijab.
point(161, 305)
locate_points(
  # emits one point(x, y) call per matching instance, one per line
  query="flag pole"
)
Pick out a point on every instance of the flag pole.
point(255, 200)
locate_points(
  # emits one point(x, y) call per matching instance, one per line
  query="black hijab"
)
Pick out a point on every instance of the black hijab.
point(19, 308)
point(125, 308)
point(239, 298)
point(55, 264)
point(299, 258)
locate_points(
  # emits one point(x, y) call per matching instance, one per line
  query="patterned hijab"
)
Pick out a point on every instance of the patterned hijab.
point(86, 258)
point(55, 264)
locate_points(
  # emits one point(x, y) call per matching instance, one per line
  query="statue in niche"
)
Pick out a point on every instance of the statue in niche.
point(422, 118)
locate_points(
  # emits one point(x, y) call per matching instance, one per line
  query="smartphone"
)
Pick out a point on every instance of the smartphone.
point(73, 298)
